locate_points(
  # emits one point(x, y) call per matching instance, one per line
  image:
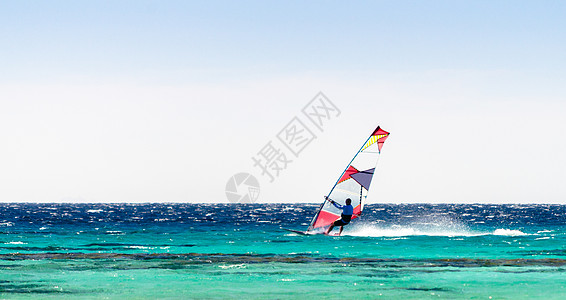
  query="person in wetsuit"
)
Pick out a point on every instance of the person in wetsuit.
point(347, 212)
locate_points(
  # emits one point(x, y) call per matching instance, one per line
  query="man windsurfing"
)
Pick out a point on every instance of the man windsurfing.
point(347, 212)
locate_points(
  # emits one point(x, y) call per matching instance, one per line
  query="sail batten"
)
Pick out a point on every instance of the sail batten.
point(353, 183)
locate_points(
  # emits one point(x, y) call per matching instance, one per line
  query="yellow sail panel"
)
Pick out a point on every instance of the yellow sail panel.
point(373, 140)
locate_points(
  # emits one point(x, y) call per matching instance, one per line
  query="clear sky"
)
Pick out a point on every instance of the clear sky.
point(163, 101)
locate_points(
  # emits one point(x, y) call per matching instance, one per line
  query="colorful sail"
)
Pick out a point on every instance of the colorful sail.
point(353, 183)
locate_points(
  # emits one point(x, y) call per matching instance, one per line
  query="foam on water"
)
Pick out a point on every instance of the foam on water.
point(402, 231)
point(15, 243)
point(508, 232)
point(429, 225)
point(397, 231)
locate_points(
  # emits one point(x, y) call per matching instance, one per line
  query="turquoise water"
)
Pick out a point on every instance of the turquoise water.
point(150, 251)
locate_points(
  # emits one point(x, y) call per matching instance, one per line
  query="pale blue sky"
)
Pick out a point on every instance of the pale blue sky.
point(165, 100)
point(154, 39)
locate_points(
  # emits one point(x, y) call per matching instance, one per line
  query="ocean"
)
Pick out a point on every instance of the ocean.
point(237, 251)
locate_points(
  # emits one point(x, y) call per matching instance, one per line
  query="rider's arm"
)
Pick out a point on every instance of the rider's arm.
point(336, 204)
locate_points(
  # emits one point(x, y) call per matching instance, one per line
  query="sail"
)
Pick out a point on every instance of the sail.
point(353, 183)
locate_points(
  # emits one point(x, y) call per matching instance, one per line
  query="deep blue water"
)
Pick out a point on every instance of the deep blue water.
point(28, 216)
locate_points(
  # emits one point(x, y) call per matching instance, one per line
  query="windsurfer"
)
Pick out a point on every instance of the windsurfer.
point(347, 212)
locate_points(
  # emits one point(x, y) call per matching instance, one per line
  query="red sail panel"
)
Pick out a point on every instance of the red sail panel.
point(351, 170)
point(357, 211)
point(325, 218)
point(379, 131)
point(382, 139)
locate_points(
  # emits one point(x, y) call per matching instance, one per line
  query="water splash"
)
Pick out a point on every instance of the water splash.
point(431, 225)
point(408, 230)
